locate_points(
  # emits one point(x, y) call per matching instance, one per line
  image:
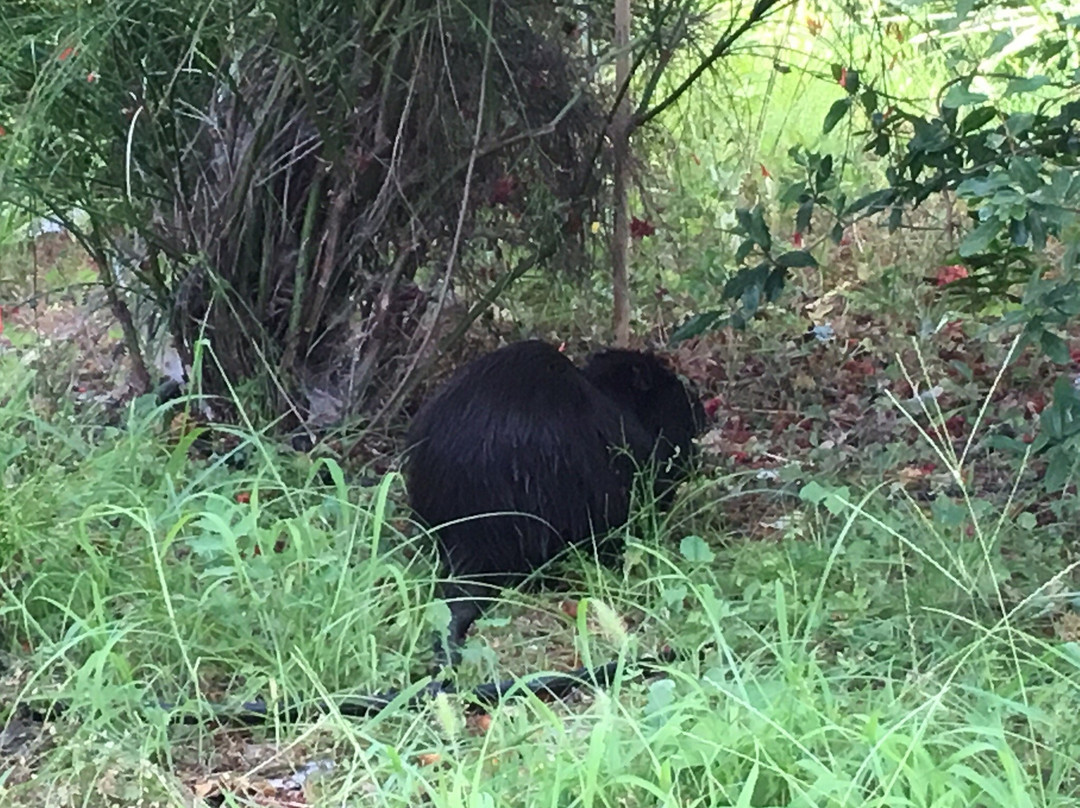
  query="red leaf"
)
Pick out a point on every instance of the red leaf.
point(862, 367)
point(243, 497)
point(639, 228)
point(65, 53)
point(797, 239)
point(948, 274)
point(956, 425)
point(503, 189)
point(764, 171)
point(712, 405)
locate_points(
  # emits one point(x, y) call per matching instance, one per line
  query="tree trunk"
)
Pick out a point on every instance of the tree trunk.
point(620, 135)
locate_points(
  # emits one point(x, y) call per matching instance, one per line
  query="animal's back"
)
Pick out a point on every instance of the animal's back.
point(518, 430)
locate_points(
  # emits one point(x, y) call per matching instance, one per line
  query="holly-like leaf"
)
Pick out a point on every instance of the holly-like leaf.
point(960, 96)
point(1018, 123)
point(875, 202)
point(745, 248)
point(869, 100)
point(1002, 39)
point(759, 231)
point(774, 284)
point(1054, 347)
point(695, 326)
point(896, 218)
point(837, 111)
point(980, 238)
point(796, 258)
point(977, 119)
point(1026, 85)
point(802, 217)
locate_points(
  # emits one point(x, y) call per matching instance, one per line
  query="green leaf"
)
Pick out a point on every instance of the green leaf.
point(803, 216)
point(437, 615)
point(1027, 85)
point(661, 696)
point(824, 171)
point(1026, 172)
point(796, 258)
point(837, 500)
point(983, 186)
point(948, 513)
point(793, 193)
point(1052, 49)
point(837, 111)
point(1054, 347)
point(1018, 123)
point(851, 82)
point(696, 325)
point(977, 119)
point(869, 100)
point(980, 238)
point(960, 96)
point(834, 499)
point(694, 548)
point(1002, 39)
point(1037, 229)
point(1059, 466)
point(813, 492)
point(758, 230)
point(751, 297)
point(774, 284)
point(744, 279)
point(673, 595)
point(896, 218)
point(875, 201)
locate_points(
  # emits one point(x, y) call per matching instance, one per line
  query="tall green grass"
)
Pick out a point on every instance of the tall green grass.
point(865, 659)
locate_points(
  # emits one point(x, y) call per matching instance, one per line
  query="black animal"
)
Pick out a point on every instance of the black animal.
point(550, 449)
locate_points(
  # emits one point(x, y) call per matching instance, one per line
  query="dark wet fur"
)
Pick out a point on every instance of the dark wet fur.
point(523, 430)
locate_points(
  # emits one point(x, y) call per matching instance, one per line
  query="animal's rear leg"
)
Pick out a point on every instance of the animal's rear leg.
point(465, 608)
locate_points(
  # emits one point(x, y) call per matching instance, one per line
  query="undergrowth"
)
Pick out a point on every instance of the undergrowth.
point(876, 653)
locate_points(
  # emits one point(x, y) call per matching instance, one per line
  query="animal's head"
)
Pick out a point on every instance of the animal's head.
point(646, 384)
